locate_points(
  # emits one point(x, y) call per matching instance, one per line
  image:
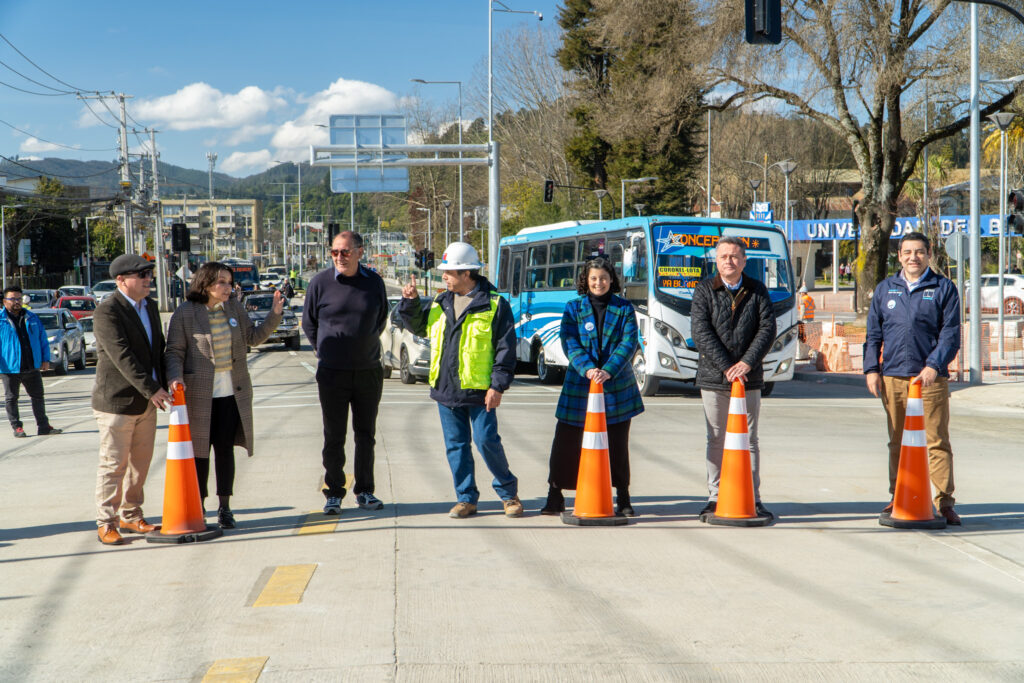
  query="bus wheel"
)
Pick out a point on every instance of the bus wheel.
point(767, 389)
point(546, 373)
point(647, 384)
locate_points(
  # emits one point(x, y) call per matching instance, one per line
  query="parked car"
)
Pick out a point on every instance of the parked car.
point(90, 339)
point(1013, 293)
point(258, 307)
point(101, 290)
point(270, 280)
point(80, 306)
point(402, 350)
point(40, 298)
point(66, 339)
point(74, 290)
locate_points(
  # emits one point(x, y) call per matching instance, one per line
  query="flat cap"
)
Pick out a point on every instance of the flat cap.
point(129, 263)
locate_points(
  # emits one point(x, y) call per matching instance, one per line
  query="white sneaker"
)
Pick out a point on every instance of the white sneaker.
point(333, 506)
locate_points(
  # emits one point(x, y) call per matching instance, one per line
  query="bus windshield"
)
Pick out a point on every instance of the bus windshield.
point(685, 254)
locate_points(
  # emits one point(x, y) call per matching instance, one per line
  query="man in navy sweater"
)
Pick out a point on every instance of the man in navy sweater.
point(345, 311)
point(915, 314)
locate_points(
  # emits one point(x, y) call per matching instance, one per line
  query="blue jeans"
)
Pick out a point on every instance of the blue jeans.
point(456, 424)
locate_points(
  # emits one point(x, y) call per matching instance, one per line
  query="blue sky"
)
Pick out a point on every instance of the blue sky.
point(247, 80)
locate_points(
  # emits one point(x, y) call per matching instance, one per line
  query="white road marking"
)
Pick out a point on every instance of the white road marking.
point(994, 561)
point(53, 384)
point(309, 367)
point(292, 353)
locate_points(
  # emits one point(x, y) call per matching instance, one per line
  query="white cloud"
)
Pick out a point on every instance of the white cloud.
point(200, 105)
point(293, 138)
point(30, 145)
point(254, 161)
point(247, 133)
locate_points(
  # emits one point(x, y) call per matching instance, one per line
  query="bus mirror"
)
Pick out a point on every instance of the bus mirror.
point(629, 260)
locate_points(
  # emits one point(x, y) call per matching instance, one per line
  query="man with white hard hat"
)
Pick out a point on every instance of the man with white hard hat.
point(472, 361)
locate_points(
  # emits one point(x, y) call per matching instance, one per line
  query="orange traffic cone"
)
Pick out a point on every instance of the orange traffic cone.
point(593, 504)
point(912, 503)
point(736, 483)
point(183, 509)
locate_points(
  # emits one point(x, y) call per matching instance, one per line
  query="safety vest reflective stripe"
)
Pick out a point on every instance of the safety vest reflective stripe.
point(476, 348)
point(808, 304)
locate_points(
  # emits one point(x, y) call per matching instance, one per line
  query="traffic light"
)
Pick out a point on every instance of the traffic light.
point(549, 191)
point(763, 21)
point(429, 261)
point(419, 258)
point(1015, 221)
point(180, 240)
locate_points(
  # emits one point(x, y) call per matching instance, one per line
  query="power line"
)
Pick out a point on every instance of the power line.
point(32, 92)
point(26, 58)
point(98, 117)
point(51, 142)
point(32, 80)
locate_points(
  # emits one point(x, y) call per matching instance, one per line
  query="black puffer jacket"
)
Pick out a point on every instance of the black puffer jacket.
point(449, 391)
point(731, 327)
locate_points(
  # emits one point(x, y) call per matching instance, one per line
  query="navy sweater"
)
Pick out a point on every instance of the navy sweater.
point(343, 318)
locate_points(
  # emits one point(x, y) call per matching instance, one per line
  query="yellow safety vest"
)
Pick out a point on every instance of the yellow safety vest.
point(476, 350)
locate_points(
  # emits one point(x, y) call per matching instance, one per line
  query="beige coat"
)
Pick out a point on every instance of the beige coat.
point(189, 358)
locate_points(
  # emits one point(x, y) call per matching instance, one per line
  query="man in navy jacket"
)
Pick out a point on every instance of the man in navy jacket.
point(24, 351)
point(914, 322)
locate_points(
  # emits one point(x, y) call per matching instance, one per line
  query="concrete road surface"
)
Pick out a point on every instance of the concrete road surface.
point(408, 594)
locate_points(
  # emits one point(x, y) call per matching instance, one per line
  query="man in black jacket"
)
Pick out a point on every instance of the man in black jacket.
point(733, 329)
point(472, 361)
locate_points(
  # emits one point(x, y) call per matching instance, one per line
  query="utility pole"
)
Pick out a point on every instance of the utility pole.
point(211, 158)
point(163, 296)
point(126, 181)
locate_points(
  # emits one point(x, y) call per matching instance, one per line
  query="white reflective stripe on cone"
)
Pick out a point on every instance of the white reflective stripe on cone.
point(179, 415)
point(179, 450)
point(913, 438)
point(595, 403)
point(737, 406)
point(737, 442)
point(915, 407)
point(596, 441)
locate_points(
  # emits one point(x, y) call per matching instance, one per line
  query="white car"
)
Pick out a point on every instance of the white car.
point(401, 350)
point(1013, 293)
point(101, 290)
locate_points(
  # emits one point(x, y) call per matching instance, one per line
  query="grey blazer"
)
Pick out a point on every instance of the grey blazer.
point(190, 358)
point(125, 358)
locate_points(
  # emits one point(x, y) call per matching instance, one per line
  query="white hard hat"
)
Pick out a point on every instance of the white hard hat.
point(460, 256)
point(803, 289)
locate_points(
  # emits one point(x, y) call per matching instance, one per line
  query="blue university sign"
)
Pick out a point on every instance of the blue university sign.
point(842, 229)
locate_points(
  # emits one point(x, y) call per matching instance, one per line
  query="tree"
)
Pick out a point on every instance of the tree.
point(46, 221)
point(106, 239)
point(850, 64)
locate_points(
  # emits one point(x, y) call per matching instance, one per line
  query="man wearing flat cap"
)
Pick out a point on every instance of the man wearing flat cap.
point(129, 388)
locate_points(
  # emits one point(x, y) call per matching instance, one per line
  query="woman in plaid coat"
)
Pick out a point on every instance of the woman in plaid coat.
point(599, 337)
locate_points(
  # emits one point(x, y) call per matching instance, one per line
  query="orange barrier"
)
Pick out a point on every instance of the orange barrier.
point(183, 508)
point(912, 502)
point(593, 504)
point(736, 483)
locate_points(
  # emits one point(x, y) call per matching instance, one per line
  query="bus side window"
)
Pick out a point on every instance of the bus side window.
point(562, 253)
point(503, 270)
point(517, 274)
point(615, 252)
point(535, 278)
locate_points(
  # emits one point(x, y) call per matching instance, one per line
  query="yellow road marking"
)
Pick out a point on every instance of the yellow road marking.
point(285, 586)
point(316, 522)
point(242, 670)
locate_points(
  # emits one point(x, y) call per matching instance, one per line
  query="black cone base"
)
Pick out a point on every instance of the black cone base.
point(711, 518)
point(191, 537)
point(570, 518)
point(886, 519)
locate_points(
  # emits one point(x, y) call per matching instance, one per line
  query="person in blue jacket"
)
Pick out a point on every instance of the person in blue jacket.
point(914, 322)
point(599, 337)
point(24, 351)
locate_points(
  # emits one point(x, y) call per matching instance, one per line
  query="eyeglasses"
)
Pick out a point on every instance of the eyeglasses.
point(144, 274)
point(344, 252)
point(12, 298)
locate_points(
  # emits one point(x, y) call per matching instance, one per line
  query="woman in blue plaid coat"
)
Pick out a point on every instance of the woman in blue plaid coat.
point(599, 337)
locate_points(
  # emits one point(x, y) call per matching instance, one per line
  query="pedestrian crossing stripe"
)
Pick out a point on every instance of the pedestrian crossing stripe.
point(240, 670)
point(285, 586)
point(316, 522)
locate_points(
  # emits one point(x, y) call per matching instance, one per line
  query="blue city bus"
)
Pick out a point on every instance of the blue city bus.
point(659, 260)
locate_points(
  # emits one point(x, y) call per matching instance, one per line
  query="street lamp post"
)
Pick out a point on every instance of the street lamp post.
point(1002, 120)
point(622, 204)
point(600, 194)
point(458, 83)
point(447, 204)
point(787, 167)
point(639, 209)
point(3, 236)
point(754, 184)
point(88, 249)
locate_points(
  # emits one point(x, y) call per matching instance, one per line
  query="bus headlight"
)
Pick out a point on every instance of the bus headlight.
point(784, 340)
point(670, 333)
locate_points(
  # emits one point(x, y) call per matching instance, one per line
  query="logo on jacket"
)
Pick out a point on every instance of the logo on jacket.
point(928, 294)
point(891, 304)
point(588, 326)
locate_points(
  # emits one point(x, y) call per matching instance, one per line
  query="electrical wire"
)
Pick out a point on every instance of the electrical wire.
point(51, 142)
point(32, 92)
point(32, 80)
point(98, 117)
point(25, 57)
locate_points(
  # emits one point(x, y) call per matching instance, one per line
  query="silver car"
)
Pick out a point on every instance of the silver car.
point(101, 290)
point(66, 339)
point(258, 306)
point(401, 349)
point(90, 339)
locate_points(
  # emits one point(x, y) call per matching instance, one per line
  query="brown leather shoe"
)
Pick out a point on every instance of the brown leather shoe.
point(108, 535)
point(139, 526)
point(951, 517)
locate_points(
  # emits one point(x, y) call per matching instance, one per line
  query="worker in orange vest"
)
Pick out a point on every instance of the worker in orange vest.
point(806, 305)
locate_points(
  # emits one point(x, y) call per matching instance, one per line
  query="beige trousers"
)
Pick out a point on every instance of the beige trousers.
point(126, 449)
point(936, 431)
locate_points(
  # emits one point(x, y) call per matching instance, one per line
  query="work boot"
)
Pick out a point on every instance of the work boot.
point(462, 510)
point(513, 507)
point(623, 506)
point(555, 503)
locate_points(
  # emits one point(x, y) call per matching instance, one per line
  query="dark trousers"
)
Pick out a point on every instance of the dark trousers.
point(224, 422)
point(341, 390)
point(565, 455)
point(33, 381)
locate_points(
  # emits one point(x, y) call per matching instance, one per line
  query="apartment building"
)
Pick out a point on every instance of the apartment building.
point(219, 228)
